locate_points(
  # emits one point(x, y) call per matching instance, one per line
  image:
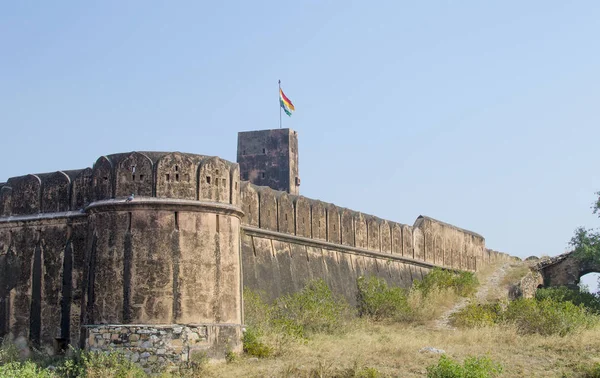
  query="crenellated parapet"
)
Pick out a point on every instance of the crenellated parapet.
point(428, 240)
point(144, 174)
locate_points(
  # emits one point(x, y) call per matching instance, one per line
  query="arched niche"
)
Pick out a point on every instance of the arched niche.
point(235, 184)
point(176, 177)
point(102, 179)
point(268, 208)
point(333, 224)
point(134, 176)
point(5, 201)
point(214, 180)
point(56, 189)
point(396, 230)
point(407, 241)
point(319, 220)
point(249, 203)
point(347, 227)
point(303, 222)
point(386, 236)
point(373, 234)
point(82, 189)
point(360, 233)
point(285, 213)
point(26, 194)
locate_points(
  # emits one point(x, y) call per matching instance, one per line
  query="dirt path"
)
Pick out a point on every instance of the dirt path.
point(491, 283)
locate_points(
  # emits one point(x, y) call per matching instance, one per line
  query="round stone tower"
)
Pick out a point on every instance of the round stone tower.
point(163, 273)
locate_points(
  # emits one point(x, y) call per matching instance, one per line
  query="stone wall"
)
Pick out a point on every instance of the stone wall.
point(428, 240)
point(151, 346)
point(277, 264)
point(74, 252)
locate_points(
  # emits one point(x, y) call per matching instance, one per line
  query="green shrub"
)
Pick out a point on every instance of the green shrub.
point(575, 296)
point(253, 344)
point(8, 352)
point(312, 310)
point(98, 364)
point(478, 315)
point(463, 283)
point(379, 301)
point(472, 367)
point(548, 316)
point(24, 370)
point(592, 371)
point(257, 312)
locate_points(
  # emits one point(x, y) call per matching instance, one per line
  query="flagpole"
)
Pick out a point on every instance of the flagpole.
point(278, 94)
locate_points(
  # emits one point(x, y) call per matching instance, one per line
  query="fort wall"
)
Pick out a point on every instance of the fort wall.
point(79, 259)
point(288, 240)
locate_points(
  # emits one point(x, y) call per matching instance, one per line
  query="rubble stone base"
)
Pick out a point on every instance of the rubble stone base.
point(153, 347)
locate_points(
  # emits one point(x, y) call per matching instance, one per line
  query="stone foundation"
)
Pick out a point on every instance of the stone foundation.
point(153, 347)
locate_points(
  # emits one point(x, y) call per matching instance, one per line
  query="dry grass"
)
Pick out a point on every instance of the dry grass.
point(517, 271)
point(393, 350)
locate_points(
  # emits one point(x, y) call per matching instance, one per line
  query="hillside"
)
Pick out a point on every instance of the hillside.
point(399, 349)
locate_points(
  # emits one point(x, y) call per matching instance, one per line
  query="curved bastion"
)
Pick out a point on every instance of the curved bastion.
point(140, 252)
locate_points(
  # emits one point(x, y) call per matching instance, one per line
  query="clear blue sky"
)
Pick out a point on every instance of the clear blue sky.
point(481, 114)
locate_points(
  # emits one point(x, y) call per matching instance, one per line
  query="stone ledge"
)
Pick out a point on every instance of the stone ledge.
point(168, 204)
point(43, 216)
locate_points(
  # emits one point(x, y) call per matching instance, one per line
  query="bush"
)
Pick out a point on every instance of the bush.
point(592, 371)
point(98, 364)
point(575, 296)
point(463, 283)
point(478, 315)
point(472, 367)
point(378, 301)
point(24, 370)
point(253, 344)
point(312, 310)
point(548, 316)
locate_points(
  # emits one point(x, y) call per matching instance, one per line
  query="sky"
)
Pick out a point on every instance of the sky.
point(481, 114)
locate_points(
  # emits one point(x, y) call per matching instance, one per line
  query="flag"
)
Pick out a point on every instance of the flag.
point(285, 103)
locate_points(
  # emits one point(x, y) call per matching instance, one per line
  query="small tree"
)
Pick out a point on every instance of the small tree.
point(586, 242)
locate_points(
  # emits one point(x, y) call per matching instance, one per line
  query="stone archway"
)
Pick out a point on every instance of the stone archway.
point(565, 270)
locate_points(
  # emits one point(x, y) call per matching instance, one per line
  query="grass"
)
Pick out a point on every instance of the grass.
point(392, 349)
point(306, 339)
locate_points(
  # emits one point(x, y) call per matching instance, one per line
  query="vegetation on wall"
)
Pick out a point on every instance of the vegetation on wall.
point(586, 242)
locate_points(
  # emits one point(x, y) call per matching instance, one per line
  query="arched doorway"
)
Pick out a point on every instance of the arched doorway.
point(589, 282)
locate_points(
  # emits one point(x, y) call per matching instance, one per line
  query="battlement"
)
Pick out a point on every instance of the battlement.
point(144, 174)
point(428, 240)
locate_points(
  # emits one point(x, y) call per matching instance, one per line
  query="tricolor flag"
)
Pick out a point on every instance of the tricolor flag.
point(285, 103)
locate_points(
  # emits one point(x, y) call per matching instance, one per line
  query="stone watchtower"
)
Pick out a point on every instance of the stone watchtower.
point(270, 158)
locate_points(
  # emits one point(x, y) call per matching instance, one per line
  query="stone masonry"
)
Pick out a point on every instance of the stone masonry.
point(153, 347)
point(148, 252)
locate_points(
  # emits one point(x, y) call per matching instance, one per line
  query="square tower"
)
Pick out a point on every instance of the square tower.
point(270, 158)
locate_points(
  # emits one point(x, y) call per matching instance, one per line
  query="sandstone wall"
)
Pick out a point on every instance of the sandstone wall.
point(278, 264)
point(75, 253)
point(288, 240)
